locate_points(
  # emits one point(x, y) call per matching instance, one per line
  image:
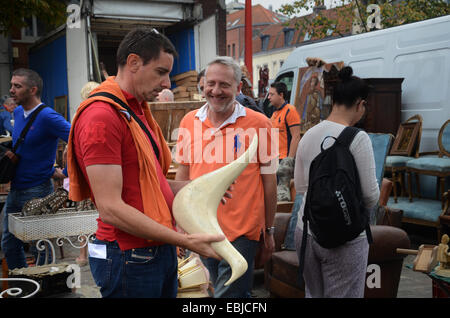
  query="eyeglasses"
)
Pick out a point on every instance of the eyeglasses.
point(200, 88)
point(152, 31)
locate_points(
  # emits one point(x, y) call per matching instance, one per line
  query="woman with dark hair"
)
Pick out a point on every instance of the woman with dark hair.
point(340, 271)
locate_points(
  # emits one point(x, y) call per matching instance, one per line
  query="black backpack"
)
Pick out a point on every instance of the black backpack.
point(334, 207)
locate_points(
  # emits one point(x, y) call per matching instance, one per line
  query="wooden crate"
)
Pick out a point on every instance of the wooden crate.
point(168, 115)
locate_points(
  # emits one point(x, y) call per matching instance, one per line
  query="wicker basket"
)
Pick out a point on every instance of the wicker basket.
point(65, 223)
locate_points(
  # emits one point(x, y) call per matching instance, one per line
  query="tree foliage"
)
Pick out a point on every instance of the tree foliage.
point(352, 16)
point(13, 12)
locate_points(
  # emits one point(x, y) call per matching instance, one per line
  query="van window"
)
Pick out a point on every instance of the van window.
point(288, 79)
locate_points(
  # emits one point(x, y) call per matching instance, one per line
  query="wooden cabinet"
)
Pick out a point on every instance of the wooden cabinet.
point(384, 105)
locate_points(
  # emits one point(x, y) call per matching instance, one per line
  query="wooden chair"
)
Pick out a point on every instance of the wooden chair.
point(430, 217)
point(396, 165)
point(431, 165)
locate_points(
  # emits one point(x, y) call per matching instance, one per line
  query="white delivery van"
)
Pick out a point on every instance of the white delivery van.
point(419, 52)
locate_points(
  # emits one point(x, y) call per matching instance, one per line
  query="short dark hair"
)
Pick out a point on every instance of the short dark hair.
point(349, 88)
point(32, 79)
point(200, 75)
point(280, 87)
point(145, 42)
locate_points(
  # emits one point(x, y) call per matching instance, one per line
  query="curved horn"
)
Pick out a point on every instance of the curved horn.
point(195, 207)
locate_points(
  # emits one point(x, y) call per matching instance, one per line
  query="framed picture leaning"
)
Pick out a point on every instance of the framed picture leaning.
point(405, 139)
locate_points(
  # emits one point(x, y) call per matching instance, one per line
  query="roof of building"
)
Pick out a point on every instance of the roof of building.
point(260, 16)
point(277, 33)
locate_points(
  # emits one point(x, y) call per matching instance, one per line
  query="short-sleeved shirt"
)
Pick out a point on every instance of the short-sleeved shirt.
point(103, 137)
point(284, 118)
point(205, 149)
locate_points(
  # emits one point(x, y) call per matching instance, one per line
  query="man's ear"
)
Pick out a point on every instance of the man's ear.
point(33, 90)
point(133, 62)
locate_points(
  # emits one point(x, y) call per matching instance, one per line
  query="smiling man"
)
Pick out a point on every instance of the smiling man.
point(117, 156)
point(226, 128)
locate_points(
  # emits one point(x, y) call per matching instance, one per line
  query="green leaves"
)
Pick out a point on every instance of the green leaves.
point(351, 16)
point(13, 12)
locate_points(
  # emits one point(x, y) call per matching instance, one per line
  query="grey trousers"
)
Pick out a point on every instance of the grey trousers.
point(334, 273)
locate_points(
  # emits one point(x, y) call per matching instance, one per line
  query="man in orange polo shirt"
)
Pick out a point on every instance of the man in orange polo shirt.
point(286, 119)
point(210, 138)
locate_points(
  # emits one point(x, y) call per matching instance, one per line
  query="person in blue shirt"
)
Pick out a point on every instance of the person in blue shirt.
point(5, 117)
point(35, 170)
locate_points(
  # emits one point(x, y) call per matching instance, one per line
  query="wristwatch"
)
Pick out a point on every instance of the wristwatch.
point(270, 230)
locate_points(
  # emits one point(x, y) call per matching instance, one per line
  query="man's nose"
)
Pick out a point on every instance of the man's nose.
point(216, 89)
point(166, 82)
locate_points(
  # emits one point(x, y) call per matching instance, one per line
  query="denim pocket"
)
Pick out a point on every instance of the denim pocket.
point(101, 271)
point(142, 255)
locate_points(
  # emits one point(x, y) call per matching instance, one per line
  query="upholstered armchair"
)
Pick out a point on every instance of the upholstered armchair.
point(438, 166)
point(281, 271)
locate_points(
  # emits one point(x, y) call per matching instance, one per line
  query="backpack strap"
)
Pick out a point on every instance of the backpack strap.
point(347, 135)
point(130, 112)
point(302, 254)
point(346, 138)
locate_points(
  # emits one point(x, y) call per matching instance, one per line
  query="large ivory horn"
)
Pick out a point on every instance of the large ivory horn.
point(195, 207)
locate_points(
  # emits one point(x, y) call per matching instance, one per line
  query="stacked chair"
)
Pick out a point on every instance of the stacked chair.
point(396, 165)
point(419, 208)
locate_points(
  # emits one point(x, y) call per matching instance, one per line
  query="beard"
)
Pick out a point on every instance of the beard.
point(20, 101)
point(220, 108)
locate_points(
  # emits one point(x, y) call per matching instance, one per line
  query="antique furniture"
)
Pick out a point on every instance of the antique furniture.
point(396, 164)
point(427, 211)
point(168, 115)
point(384, 104)
point(424, 212)
point(281, 271)
point(381, 144)
point(66, 223)
point(435, 166)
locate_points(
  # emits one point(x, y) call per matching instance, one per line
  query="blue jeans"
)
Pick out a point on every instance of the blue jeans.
point(149, 272)
point(220, 271)
point(12, 247)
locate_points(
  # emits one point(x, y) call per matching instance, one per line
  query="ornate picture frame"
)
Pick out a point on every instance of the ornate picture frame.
point(60, 105)
point(313, 93)
point(405, 139)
